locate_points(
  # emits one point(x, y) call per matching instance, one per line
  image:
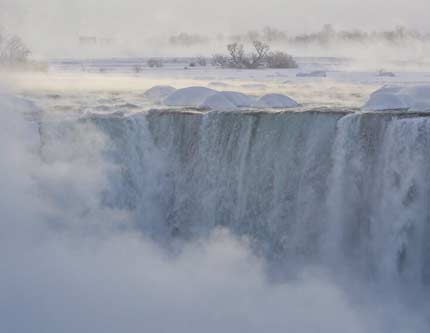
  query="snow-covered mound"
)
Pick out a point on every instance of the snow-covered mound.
point(202, 97)
point(239, 99)
point(228, 100)
point(276, 101)
point(411, 98)
point(158, 93)
point(192, 96)
point(218, 102)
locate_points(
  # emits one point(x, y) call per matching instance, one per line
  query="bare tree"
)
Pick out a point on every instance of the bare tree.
point(259, 58)
point(256, 59)
point(237, 54)
point(201, 61)
point(220, 60)
point(13, 50)
point(239, 59)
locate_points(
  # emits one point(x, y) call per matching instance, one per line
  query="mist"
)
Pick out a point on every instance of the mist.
point(52, 27)
point(122, 213)
point(72, 264)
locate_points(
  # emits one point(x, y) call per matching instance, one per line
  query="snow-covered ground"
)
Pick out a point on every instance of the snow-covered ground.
point(114, 85)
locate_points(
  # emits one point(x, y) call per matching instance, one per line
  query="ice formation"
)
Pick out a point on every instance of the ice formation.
point(415, 98)
point(158, 93)
point(276, 101)
point(191, 96)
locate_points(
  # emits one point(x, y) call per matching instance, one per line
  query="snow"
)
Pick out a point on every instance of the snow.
point(239, 99)
point(218, 102)
point(414, 98)
point(254, 86)
point(158, 93)
point(218, 84)
point(192, 96)
point(228, 100)
point(276, 101)
point(202, 97)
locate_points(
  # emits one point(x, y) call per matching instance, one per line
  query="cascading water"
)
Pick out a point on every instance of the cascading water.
point(134, 208)
point(305, 188)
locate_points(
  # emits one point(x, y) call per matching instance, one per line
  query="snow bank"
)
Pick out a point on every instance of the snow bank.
point(410, 98)
point(158, 93)
point(192, 96)
point(276, 101)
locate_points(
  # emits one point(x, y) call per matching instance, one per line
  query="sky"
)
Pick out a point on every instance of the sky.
point(46, 24)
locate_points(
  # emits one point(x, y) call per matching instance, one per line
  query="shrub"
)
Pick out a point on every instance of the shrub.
point(280, 60)
point(260, 57)
point(220, 60)
point(155, 63)
point(201, 61)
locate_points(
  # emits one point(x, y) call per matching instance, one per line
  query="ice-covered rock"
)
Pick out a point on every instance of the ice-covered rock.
point(192, 96)
point(276, 101)
point(218, 102)
point(238, 99)
point(228, 100)
point(157, 94)
point(411, 98)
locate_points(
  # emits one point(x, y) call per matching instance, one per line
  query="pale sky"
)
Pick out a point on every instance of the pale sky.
point(44, 23)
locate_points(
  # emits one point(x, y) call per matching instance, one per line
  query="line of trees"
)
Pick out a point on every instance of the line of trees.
point(260, 57)
point(328, 34)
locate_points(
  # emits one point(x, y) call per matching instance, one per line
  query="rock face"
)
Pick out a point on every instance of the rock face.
point(192, 96)
point(157, 94)
point(276, 101)
point(410, 98)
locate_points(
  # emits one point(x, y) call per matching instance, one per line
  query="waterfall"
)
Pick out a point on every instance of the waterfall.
point(325, 188)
